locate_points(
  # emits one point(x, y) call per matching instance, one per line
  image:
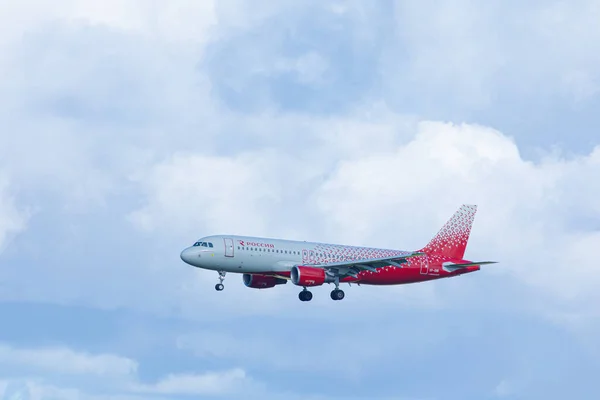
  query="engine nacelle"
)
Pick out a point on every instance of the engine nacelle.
point(262, 281)
point(308, 276)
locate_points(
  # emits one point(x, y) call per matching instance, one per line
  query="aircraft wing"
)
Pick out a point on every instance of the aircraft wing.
point(354, 267)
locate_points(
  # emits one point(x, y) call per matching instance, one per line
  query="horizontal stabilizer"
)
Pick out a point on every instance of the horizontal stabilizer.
point(465, 265)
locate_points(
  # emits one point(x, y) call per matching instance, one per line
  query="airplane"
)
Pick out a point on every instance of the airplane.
point(266, 263)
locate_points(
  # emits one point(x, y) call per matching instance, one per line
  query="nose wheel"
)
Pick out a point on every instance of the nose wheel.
point(305, 295)
point(219, 286)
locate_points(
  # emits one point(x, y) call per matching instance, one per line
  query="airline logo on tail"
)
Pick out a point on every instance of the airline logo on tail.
point(451, 240)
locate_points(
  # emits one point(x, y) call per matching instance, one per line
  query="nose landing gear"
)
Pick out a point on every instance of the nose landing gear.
point(219, 286)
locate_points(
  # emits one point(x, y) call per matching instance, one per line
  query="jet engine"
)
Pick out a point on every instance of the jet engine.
point(262, 281)
point(308, 276)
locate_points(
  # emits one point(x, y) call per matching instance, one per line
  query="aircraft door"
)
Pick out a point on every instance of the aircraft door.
point(228, 247)
point(304, 256)
point(424, 267)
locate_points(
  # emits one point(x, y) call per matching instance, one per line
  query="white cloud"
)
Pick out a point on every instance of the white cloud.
point(211, 192)
point(250, 191)
point(473, 51)
point(227, 385)
point(12, 220)
point(309, 68)
point(504, 389)
point(451, 45)
point(40, 389)
point(297, 353)
point(179, 20)
point(66, 361)
point(68, 65)
point(114, 373)
point(211, 383)
point(568, 37)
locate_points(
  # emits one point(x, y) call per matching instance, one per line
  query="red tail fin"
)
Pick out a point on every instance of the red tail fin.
point(451, 240)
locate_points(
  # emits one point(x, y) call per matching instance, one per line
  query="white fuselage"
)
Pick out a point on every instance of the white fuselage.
point(246, 254)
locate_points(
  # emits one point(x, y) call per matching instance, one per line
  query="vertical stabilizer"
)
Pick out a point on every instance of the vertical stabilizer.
point(451, 240)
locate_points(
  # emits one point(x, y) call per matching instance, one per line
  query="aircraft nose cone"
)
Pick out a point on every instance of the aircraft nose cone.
point(186, 256)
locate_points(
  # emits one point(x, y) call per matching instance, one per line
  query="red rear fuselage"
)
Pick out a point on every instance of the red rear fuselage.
point(417, 269)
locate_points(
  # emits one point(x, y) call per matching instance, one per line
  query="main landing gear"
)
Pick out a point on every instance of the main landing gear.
point(219, 286)
point(337, 293)
point(305, 295)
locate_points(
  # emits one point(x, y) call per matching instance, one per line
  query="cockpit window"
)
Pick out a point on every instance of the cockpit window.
point(203, 244)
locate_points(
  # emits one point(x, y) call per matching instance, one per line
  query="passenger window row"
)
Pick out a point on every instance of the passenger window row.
point(293, 252)
point(269, 250)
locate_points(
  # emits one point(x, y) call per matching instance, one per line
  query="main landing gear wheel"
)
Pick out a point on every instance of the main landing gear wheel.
point(219, 286)
point(337, 294)
point(305, 295)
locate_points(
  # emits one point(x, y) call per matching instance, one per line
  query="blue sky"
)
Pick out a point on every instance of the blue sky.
point(130, 129)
